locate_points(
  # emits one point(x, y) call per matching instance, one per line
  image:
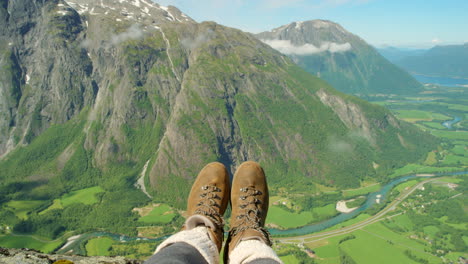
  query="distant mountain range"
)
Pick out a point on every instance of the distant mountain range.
point(105, 92)
point(394, 54)
point(343, 59)
point(441, 61)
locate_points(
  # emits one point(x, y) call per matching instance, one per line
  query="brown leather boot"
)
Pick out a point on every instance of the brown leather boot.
point(208, 200)
point(249, 202)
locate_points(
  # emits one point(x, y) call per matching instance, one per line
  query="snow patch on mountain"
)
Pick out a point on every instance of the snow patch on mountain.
point(299, 24)
point(321, 24)
point(140, 8)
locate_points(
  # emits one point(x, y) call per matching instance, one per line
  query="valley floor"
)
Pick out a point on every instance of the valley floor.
point(424, 220)
point(427, 220)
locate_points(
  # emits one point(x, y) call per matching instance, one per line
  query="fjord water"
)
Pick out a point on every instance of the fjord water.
point(444, 81)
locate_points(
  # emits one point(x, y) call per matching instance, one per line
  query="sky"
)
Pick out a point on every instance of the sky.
point(398, 23)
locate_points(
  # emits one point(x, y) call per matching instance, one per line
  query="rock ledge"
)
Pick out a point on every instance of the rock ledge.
point(30, 256)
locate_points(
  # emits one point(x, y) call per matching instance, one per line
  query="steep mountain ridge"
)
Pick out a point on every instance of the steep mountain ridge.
point(97, 90)
point(346, 61)
point(442, 61)
point(394, 54)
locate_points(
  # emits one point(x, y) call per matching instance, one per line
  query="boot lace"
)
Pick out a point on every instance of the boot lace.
point(250, 218)
point(208, 202)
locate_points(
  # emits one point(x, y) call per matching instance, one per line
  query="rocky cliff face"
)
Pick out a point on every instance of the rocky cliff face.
point(93, 91)
point(345, 60)
point(27, 256)
point(46, 78)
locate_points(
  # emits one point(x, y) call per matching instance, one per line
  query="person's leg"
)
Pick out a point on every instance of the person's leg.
point(203, 230)
point(178, 253)
point(248, 240)
point(264, 261)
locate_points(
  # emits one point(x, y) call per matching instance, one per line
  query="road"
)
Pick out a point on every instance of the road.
point(373, 219)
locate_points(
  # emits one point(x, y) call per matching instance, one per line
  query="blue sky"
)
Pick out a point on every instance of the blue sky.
point(403, 23)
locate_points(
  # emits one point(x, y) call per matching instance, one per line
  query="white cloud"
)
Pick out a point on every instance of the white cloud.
point(436, 41)
point(286, 47)
point(86, 43)
point(193, 43)
point(340, 146)
point(133, 32)
point(335, 47)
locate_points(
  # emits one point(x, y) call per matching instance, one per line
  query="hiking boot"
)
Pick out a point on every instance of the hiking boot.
point(249, 202)
point(208, 200)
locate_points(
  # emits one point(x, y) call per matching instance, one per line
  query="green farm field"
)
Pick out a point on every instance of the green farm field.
point(56, 204)
point(85, 196)
point(362, 191)
point(460, 149)
point(16, 241)
point(162, 214)
point(290, 259)
point(434, 125)
point(383, 247)
point(452, 159)
point(99, 246)
point(373, 244)
point(23, 208)
point(286, 219)
point(417, 168)
point(405, 185)
point(400, 222)
point(418, 115)
point(461, 135)
point(403, 238)
point(376, 243)
point(443, 104)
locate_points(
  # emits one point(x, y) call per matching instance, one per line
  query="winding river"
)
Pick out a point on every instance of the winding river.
point(449, 123)
point(371, 200)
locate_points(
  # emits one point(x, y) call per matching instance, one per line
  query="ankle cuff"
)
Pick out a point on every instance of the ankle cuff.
point(253, 249)
point(199, 220)
point(198, 238)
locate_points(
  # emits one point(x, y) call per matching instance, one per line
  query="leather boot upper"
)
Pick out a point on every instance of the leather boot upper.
point(249, 201)
point(208, 200)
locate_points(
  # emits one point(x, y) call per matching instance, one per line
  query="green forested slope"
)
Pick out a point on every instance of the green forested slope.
point(174, 96)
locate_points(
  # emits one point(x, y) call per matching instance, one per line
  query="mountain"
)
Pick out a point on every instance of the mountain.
point(109, 92)
point(394, 54)
point(442, 61)
point(343, 59)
